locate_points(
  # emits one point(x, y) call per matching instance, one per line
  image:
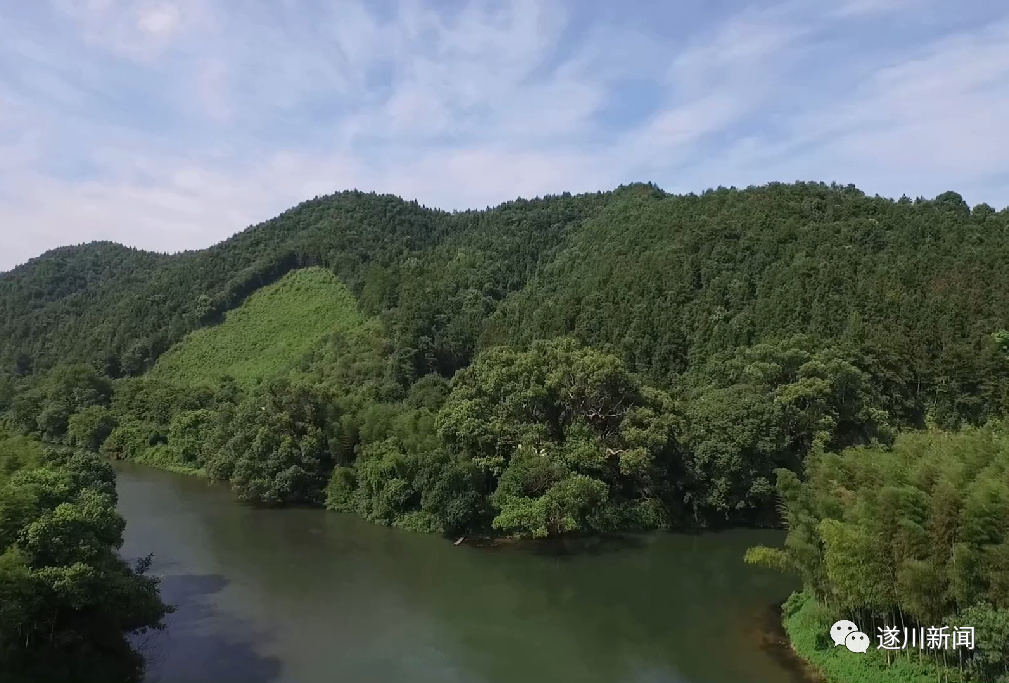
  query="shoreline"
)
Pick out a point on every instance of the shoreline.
point(776, 642)
point(481, 540)
point(805, 626)
point(787, 632)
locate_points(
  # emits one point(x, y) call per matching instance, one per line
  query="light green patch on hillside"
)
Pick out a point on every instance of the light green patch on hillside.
point(266, 336)
point(16, 453)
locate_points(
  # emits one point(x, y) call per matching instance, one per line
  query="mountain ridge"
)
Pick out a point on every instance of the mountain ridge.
point(343, 231)
point(662, 280)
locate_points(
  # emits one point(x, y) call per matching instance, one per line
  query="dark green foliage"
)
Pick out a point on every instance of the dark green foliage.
point(777, 322)
point(668, 281)
point(67, 600)
point(186, 432)
point(276, 448)
point(17, 453)
point(130, 439)
point(768, 406)
point(623, 360)
point(46, 408)
point(566, 439)
point(125, 307)
point(620, 360)
point(913, 536)
point(661, 281)
point(8, 390)
point(990, 661)
point(392, 485)
point(88, 428)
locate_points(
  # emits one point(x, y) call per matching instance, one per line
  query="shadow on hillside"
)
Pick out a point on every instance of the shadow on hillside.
point(202, 643)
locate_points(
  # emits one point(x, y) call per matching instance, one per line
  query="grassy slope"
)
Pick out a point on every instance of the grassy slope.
point(268, 334)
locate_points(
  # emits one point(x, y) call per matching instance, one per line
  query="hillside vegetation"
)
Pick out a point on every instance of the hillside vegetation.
point(572, 364)
point(267, 335)
point(916, 536)
point(661, 281)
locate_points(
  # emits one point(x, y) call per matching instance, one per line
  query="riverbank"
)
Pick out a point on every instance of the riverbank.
point(796, 637)
point(310, 596)
point(163, 459)
point(807, 626)
point(774, 641)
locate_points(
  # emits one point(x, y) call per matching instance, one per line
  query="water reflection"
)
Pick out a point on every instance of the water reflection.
point(216, 646)
point(304, 596)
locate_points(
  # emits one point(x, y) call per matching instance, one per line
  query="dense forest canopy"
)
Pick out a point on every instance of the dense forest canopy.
point(570, 364)
point(68, 601)
point(757, 326)
point(662, 281)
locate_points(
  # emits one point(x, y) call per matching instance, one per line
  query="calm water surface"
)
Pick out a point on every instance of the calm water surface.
point(306, 596)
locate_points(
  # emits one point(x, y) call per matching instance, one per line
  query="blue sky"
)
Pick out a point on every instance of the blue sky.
point(171, 124)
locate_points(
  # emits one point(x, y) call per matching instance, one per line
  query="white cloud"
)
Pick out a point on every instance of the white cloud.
point(134, 29)
point(851, 8)
point(158, 21)
point(211, 90)
point(928, 122)
point(676, 127)
point(172, 125)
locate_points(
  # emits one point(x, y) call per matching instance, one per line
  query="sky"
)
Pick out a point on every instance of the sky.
point(172, 124)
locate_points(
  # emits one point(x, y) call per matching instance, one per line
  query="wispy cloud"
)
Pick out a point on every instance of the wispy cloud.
point(172, 124)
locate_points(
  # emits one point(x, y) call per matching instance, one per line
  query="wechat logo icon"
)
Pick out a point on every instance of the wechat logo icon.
point(846, 633)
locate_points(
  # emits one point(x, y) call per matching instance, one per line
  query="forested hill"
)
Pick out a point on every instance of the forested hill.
point(573, 364)
point(665, 281)
point(670, 351)
point(105, 301)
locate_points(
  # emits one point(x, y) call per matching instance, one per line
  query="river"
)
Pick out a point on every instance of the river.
point(306, 596)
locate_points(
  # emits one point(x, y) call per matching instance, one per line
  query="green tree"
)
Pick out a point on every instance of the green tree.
point(188, 432)
point(68, 602)
point(89, 427)
point(279, 447)
point(599, 437)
